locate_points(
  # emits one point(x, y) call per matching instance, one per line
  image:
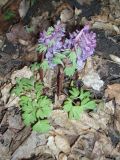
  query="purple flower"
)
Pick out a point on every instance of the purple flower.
point(86, 41)
point(53, 41)
point(82, 42)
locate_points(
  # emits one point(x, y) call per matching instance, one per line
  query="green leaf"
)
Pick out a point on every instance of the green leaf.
point(17, 90)
point(74, 92)
point(40, 114)
point(76, 114)
point(38, 87)
point(44, 101)
point(51, 43)
point(23, 84)
point(67, 52)
point(9, 14)
point(34, 105)
point(44, 65)
point(60, 55)
point(42, 126)
point(84, 95)
point(50, 30)
point(24, 100)
point(67, 106)
point(47, 111)
point(44, 104)
point(35, 67)
point(74, 110)
point(73, 57)
point(57, 60)
point(27, 109)
point(84, 101)
point(41, 48)
point(89, 105)
point(69, 71)
point(29, 118)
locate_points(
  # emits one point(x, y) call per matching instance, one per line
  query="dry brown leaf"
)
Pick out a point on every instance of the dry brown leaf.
point(103, 114)
point(62, 156)
point(17, 34)
point(113, 91)
point(40, 23)
point(3, 2)
point(52, 146)
point(115, 58)
point(62, 143)
point(24, 72)
point(90, 77)
point(103, 148)
point(6, 92)
point(59, 101)
point(23, 8)
point(73, 127)
point(84, 145)
point(13, 101)
point(117, 119)
point(86, 122)
point(48, 78)
point(29, 146)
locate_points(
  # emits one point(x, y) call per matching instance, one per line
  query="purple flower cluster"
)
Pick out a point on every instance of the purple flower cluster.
point(53, 40)
point(82, 42)
point(87, 42)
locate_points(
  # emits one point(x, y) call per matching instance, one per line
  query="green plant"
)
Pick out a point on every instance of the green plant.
point(35, 66)
point(36, 107)
point(78, 102)
point(69, 51)
point(8, 15)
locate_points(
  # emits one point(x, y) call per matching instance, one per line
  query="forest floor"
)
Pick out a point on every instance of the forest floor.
point(96, 136)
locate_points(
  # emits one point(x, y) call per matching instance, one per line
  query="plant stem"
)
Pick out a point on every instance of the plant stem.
point(60, 80)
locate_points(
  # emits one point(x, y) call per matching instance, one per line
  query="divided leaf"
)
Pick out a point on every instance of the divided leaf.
point(29, 118)
point(73, 57)
point(35, 106)
point(75, 112)
point(35, 66)
point(77, 103)
point(50, 30)
point(23, 85)
point(69, 71)
point(74, 93)
point(44, 65)
point(68, 105)
point(57, 60)
point(41, 48)
point(42, 126)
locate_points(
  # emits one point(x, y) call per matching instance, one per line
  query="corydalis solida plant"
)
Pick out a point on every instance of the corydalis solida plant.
point(51, 42)
point(74, 50)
